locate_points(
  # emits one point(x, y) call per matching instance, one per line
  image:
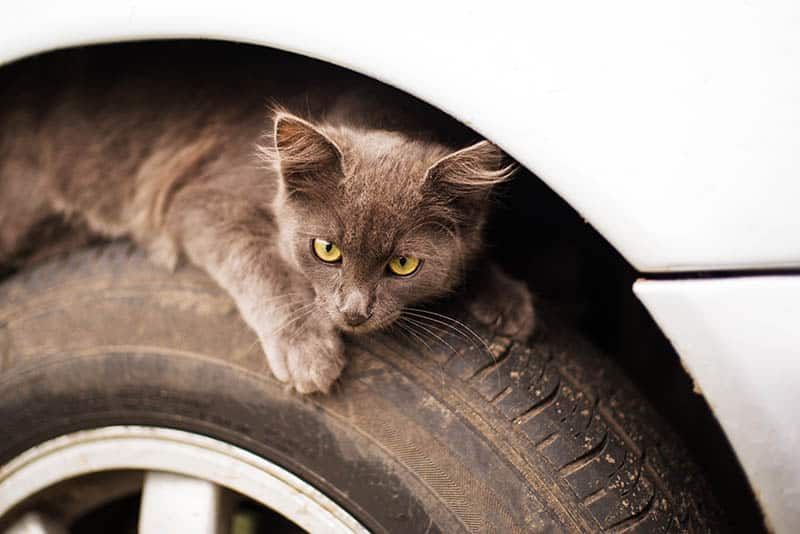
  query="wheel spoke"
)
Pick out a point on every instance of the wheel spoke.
point(181, 505)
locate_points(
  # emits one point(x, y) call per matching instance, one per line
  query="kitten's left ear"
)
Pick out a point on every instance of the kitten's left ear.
point(307, 157)
point(471, 172)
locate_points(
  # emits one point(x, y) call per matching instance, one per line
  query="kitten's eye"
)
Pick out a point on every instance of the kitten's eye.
point(404, 265)
point(326, 251)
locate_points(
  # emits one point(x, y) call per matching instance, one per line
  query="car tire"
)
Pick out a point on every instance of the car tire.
point(421, 434)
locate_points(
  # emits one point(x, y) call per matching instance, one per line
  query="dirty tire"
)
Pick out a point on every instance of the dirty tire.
point(547, 437)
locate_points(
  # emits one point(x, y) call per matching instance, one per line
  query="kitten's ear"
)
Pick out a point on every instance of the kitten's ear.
point(470, 173)
point(306, 156)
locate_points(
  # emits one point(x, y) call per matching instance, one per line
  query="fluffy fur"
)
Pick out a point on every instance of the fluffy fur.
point(202, 171)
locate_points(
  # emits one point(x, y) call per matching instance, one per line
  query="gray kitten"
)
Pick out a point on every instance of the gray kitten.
point(316, 228)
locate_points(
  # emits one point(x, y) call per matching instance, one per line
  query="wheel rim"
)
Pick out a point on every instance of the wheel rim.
point(201, 463)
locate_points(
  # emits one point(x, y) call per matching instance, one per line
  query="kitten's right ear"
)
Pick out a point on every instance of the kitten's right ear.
point(307, 157)
point(467, 177)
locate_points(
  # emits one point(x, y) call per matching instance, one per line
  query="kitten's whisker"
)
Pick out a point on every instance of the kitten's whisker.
point(444, 326)
point(408, 328)
point(441, 367)
point(298, 314)
point(485, 346)
point(431, 332)
point(280, 297)
point(448, 327)
point(277, 307)
point(292, 321)
point(417, 312)
point(403, 330)
point(451, 319)
point(301, 330)
point(442, 329)
point(285, 305)
point(298, 309)
point(400, 329)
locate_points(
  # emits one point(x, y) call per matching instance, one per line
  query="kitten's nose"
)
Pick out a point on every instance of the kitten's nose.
point(355, 319)
point(356, 308)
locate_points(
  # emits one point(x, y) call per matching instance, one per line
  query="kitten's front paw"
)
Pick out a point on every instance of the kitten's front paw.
point(506, 305)
point(310, 360)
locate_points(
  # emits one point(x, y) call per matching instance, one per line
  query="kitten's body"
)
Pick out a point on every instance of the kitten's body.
point(173, 161)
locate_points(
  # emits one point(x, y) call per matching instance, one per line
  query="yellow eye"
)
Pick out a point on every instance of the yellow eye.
point(326, 251)
point(404, 265)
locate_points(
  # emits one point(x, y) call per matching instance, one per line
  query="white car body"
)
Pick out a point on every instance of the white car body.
point(673, 128)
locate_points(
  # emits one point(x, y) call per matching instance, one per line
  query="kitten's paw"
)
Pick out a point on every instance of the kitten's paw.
point(310, 361)
point(506, 305)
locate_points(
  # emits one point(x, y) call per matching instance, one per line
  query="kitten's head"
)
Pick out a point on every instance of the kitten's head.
point(377, 221)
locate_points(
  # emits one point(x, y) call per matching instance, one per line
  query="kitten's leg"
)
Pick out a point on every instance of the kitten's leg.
point(23, 197)
point(236, 243)
point(506, 304)
point(17, 222)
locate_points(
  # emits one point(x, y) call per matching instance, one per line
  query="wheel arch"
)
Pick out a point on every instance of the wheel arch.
point(628, 122)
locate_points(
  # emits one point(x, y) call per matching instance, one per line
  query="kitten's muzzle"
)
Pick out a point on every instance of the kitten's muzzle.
point(356, 308)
